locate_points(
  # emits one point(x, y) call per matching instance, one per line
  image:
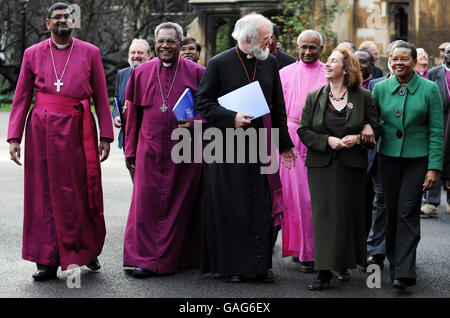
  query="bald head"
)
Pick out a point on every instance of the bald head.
point(371, 47)
point(346, 45)
point(442, 48)
point(310, 34)
point(309, 46)
point(446, 56)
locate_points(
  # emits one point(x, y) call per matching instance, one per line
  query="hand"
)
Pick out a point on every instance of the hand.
point(447, 185)
point(350, 140)
point(103, 150)
point(131, 163)
point(14, 151)
point(117, 122)
point(336, 143)
point(184, 123)
point(288, 157)
point(367, 134)
point(241, 120)
point(430, 180)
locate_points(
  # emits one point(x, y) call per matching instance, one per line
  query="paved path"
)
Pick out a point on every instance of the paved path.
point(433, 257)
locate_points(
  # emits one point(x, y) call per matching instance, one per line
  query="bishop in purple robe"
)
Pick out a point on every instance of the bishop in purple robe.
point(63, 209)
point(163, 228)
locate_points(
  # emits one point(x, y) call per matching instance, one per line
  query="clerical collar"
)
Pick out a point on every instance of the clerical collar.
point(312, 65)
point(249, 56)
point(61, 46)
point(166, 64)
point(446, 68)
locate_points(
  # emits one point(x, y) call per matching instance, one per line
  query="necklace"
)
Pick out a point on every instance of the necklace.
point(58, 82)
point(242, 62)
point(337, 98)
point(297, 80)
point(164, 107)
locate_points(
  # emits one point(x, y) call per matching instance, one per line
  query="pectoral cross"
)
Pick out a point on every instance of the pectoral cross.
point(58, 85)
point(163, 108)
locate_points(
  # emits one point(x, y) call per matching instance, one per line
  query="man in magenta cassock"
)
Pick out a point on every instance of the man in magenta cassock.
point(163, 227)
point(63, 209)
point(298, 80)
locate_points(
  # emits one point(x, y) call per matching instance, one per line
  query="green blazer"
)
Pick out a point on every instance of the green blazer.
point(313, 134)
point(412, 123)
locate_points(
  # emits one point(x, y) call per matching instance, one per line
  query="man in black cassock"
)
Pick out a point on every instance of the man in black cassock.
point(240, 204)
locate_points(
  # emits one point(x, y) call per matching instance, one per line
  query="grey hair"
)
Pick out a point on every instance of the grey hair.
point(247, 27)
point(170, 25)
point(393, 44)
point(142, 41)
point(310, 31)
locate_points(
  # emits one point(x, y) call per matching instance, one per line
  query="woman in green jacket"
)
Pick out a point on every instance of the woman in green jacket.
point(410, 156)
point(331, 124)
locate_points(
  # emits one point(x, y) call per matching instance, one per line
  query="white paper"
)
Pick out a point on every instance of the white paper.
point(248, 99)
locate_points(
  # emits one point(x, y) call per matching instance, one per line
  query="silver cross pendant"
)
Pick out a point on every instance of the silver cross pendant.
point(163, 108)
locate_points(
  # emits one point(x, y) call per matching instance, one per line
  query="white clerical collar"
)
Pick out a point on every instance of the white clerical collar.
point(249, 56)
point(165, 64)
point(447, 68)
point(60, 46)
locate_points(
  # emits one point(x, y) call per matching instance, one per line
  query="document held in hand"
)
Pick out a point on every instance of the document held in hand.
point(184, 108)
point(248, 99)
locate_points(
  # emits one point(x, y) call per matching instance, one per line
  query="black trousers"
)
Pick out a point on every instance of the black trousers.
point(402, 180)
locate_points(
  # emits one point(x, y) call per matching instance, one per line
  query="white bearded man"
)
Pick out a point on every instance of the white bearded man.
point(240, 204)
point(63, 208)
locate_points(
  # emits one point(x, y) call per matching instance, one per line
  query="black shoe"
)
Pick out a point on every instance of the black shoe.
point(45, 273)
point(218, 276)
point(295, 259)
point(307, 267)
point(94, 265)
point(399, 284)
point(234, 279)
point(322, 282)
point(377, 259)
point(343, 276)
point(267, 278)
point(140, 272)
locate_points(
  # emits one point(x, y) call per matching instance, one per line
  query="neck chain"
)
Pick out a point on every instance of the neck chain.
point(164, 107)
point(58, 82)
point(337, 98)
point(242, 62)
point(297, 81)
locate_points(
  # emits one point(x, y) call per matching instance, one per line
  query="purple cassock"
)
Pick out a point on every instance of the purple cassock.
point(163, 227)
point(60, 225)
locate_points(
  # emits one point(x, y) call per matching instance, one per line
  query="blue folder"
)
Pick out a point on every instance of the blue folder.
point(184, 108)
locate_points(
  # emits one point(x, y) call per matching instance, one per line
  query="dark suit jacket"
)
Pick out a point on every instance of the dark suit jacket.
point(437, 75)
point(284, 59)
point(377, 72)
point(376, 80)
point(315, 136)
point(119, 93)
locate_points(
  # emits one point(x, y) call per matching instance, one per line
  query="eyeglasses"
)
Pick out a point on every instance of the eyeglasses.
point(312, 48)
point(168, 42)
point(60, 17)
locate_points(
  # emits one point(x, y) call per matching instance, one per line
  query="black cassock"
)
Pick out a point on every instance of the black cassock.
point(237, 204)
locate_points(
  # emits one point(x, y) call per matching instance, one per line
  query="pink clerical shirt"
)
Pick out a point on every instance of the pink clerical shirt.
point(298, 79)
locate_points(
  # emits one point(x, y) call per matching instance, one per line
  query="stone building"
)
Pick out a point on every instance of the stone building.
point(421, 22)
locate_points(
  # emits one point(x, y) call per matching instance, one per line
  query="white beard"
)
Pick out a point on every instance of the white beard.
point(257, 52)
